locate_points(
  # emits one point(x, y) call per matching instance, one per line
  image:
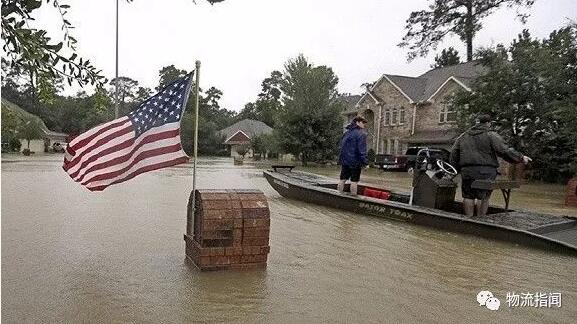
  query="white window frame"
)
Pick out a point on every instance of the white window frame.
point(443, 114)
point(386, 117)
point(402, 112)
point(394, 116)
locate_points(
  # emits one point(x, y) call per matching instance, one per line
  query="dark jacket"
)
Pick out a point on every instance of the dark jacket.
point(354, 147)
point(480, 146)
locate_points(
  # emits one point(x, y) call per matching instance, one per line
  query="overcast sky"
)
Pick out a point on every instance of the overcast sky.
point(240, 42)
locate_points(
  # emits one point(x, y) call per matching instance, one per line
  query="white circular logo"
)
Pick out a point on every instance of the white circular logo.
point(485, 298)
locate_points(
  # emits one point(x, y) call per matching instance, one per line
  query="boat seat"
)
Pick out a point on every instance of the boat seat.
point(283, 167)
point(505, 185)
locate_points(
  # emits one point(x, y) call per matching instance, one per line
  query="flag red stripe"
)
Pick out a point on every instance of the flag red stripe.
point(110, 150)
point(123, 158)
point(147, 168)
point(98, 143)
point(139, 157)
point(87, 140)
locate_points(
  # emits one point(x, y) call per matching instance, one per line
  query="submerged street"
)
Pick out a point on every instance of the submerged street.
point(118, 256)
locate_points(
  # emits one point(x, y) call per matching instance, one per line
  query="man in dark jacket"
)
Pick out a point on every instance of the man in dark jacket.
point(353, 156)
point(475, 154)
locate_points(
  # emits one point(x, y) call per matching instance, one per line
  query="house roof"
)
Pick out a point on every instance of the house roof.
point(26, 115)
point(249, 127)
point(421, 88)
point(412, 87)
point(437, 77)
point(238, 138)
point(350, 102)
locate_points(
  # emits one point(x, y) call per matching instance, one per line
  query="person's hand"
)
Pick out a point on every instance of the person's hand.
point(526, 159)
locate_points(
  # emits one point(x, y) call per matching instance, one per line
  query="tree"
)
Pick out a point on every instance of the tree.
point(309, 124)
point(10, 124)
point(268, 104)
point(169, 74)
point(142, 94)
point(531, 90)
point(427, 28)
point(258, 145)
point(447, 57)
point(32, 49)
point(48, 88)
point(127, 91)
point(29, 130)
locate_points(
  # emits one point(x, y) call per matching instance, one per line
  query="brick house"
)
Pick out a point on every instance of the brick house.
point(412, 111)
point(240, 134)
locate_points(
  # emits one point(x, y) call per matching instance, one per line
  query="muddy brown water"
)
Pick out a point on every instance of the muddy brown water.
point(69, 255)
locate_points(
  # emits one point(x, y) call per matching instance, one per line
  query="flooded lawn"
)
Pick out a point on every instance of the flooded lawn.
point(69, 255)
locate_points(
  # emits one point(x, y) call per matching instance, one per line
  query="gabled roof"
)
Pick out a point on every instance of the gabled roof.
point(249, 127)
point(28, 116)
point(423, 87)
point(436, 77)
point(350, 103)
point(238, 138)
point(411, 87)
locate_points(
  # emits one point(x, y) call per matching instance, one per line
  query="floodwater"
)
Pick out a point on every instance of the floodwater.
point(69, 255)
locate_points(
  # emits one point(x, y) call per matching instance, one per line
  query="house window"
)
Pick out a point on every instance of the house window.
point(389, 146)
point(395, 117)
point(387, 117)
point(447, 114)
point(401, 115)
point(385, 147)
point(397, 148)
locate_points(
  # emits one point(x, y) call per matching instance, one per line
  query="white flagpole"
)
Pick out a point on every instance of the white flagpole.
point(116, 88)
point(190, 222)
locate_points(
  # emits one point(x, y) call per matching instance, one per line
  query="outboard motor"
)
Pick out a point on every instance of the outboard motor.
point(433, 184)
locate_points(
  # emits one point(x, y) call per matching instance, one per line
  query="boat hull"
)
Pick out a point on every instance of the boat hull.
point(413, 214)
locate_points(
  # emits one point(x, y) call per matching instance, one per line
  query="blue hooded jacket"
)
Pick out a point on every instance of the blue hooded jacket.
point(354, 147)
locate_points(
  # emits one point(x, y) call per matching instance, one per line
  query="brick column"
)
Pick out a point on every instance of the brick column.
point(571, 193)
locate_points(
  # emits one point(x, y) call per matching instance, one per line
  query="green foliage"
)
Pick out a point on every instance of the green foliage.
point(33, 50)
point(14, 144)
point(268, 104)
point(125, 90)
point(427, 28)
point(531, 90)
point(29, 130)
point(48, 88)
point(210, 142)
point(10, 123)
point(448, 57)
point(309, 124)
point(258, 145)
point(169, 74)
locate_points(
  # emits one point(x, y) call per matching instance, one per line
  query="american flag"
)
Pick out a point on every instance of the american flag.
point(147, 139)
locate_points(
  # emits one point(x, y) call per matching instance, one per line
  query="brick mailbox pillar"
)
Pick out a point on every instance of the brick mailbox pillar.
point(571, 193)
point(231, 230)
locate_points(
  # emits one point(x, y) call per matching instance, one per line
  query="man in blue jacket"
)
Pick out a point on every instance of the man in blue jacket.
point(353, 156)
